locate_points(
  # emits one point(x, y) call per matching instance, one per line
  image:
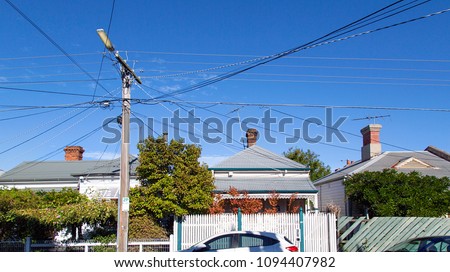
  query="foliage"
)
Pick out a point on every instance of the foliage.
point(293, 205)
point(145, 227)
point(40, 214)
point(317, 168)
point(105, 242)
point(392, 193)
point(242, 200)
point(273, 202)
point(173, 181)
point(218, 205)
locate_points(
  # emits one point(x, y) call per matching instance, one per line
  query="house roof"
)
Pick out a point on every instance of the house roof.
point(254, 161)
point(266, 184)
point(64, 170)
point(257, 158)
point(424, 162)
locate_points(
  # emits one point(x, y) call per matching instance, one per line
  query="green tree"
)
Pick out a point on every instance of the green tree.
point(40, 214)
point(173, 181)
point(392, 193)
point(310, 159)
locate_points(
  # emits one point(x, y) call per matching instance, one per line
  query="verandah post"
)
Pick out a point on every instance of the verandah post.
point(239, 219)
point(302, 231)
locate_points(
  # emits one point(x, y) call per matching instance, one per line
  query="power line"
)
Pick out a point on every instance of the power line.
point(287, 57)
point(53, 81)
point(59, 149)
point(28, 115)
point(309, 45)
point(39, 134)
point(55, 44)
point(330, 76)
point(47, 75)
point(51, 92)
point(49, 56)
point(104, 51)
point(143, 101)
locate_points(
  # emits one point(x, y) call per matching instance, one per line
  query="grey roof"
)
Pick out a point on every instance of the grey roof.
point(266, 184)
point(258, 158)
point(439, 167)
point(64, 170)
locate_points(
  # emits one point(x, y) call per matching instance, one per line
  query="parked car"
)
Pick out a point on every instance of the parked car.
point(423, 244)
point(246, 241)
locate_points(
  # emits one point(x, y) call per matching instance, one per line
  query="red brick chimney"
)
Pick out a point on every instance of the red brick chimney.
point(371, 142)
point(73, 153)
point(252, 136)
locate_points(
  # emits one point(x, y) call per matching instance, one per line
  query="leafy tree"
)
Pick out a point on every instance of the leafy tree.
point(392, 193)
point(310, 159)
point(173, 181)
point(40, 214)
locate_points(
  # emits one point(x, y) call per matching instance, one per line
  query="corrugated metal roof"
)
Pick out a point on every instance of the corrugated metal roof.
point(266, 184)
point(440, 167)
point(256, 157)
point(64, 170)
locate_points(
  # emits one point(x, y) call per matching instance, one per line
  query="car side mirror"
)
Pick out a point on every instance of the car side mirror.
point(201, 248)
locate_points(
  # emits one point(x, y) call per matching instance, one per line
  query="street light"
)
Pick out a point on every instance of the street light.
point(127, 75)
point(105, 40)
point(108, 44)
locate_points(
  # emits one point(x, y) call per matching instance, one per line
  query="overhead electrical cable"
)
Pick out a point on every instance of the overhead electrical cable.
point(143, 101)
point(52, 81)
point(55, 44)
point(43, 132)
point(53, 92)
point(104, 51)
point(309, 45)
point(28, 115)
point(59, 149)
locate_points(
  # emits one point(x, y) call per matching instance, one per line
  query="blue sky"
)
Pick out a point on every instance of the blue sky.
point(173, 45)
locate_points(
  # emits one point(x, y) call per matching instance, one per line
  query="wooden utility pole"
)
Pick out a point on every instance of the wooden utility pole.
point(127, 75)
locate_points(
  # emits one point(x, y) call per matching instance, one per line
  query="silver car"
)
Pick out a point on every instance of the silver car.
point(244, 241)
point(423, 244)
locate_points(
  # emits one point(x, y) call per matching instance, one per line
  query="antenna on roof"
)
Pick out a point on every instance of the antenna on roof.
point(371, 118)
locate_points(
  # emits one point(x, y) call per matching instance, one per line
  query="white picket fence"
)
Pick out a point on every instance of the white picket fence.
point(319, 232)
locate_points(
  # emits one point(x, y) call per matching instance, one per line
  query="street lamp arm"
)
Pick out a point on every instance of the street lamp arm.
point(127, 67)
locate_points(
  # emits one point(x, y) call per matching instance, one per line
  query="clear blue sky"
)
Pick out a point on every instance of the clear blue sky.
point(378, 74)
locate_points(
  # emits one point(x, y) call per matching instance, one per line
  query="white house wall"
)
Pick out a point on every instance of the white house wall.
point(104, 188)
point(332, 193)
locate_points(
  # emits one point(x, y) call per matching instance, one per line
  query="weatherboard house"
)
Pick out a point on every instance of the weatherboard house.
point(95, 178)
point(432, 162)
point(261, 173)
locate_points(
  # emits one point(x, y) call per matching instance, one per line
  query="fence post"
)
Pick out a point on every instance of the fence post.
point(302, 232)
point(171, 243)
point(179, 234)
point(239, 219)
point(27, 244)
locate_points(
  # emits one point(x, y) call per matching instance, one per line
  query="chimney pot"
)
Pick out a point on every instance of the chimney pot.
point(73, 153)
point(252, 136)
point(371, 141)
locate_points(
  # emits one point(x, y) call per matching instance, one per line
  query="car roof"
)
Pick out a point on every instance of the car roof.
point(431, 237)
point(265, 233)
point(262, 233)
